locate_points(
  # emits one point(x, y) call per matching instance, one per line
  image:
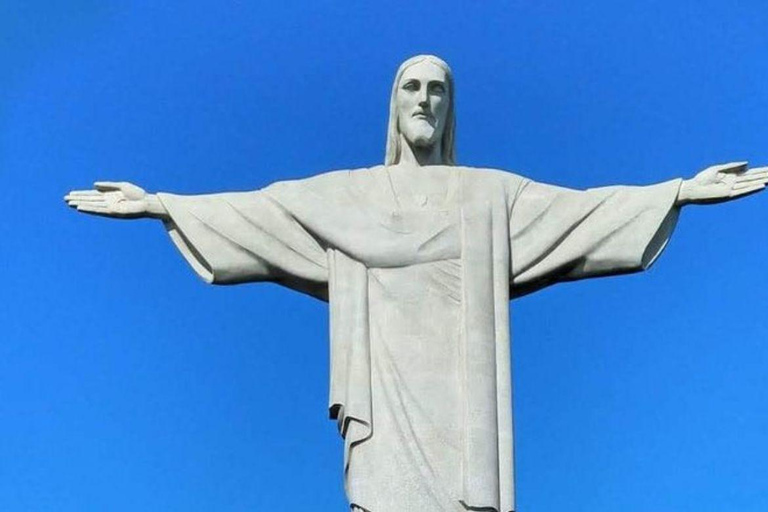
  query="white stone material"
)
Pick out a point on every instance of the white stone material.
point(418, 260)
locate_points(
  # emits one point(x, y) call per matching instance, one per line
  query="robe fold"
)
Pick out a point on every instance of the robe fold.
point(418, 286)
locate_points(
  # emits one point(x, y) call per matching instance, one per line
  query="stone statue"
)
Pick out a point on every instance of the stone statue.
point(418, 259)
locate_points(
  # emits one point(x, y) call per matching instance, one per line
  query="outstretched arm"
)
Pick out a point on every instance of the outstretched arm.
point(559, 234)
point(721, 183)
point(227, 238)
point(120, 200)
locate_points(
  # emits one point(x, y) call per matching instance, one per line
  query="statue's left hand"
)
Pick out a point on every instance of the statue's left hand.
point(721, 183)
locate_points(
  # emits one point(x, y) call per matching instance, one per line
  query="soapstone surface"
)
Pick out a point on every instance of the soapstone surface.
point(418, 259)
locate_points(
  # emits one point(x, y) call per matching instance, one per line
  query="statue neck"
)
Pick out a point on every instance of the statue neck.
point(420, 156)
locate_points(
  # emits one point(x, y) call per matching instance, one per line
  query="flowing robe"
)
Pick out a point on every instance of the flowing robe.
point(418, 288)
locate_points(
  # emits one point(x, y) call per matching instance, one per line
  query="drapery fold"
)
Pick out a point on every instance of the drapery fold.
point(323, 235)
point(350, 386)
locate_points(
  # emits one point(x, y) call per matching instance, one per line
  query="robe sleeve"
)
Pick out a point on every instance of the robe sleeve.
point(559, 234)
point(245, 237)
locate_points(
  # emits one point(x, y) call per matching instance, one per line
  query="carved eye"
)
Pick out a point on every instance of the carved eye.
point(411, 85)
point(437, 88)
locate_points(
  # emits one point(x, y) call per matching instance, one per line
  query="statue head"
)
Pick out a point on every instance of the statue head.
point(421, 109)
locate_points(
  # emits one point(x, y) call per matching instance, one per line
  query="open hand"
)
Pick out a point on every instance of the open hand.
point(120, 200)
point(721, 183)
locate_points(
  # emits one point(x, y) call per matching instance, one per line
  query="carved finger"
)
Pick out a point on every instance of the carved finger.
point(744, 186)
point(89, 204)
point(92, 209)
point(86, 199)
point(96, 198)
point(732, 168)
point(84, 193)
point(756, 170)
point(748, 190)
point(752, 174)
point(82, 207)
point(109, 186)
point(749, 179)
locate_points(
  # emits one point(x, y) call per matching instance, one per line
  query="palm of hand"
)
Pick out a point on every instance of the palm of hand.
point(723, 182)
point(110, 199)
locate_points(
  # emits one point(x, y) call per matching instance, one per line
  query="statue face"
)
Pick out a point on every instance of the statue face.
point(422, 104)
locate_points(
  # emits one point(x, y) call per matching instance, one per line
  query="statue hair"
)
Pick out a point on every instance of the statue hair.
point(394, 150)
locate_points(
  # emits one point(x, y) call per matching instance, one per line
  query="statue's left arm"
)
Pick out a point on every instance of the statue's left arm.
point(559, 234)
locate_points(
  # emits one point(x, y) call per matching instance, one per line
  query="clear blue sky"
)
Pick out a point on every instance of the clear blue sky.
point(126, 384)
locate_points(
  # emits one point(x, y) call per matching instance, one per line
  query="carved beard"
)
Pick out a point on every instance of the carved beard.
point(420, 133)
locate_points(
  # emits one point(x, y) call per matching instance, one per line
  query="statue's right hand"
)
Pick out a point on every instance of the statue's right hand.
point(120, 200)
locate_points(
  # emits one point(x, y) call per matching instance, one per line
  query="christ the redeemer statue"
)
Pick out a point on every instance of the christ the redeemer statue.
point(418, 259)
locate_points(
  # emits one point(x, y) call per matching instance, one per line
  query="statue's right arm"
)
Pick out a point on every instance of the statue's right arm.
point(120, 200)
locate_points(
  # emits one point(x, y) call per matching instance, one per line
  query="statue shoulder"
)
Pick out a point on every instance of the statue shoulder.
point(483, 176)
point(326, 184)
